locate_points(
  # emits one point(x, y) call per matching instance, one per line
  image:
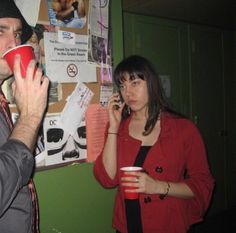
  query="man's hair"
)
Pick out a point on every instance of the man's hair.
point(8, 9)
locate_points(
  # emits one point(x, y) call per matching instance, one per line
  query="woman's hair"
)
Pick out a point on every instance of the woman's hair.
point(137, 66)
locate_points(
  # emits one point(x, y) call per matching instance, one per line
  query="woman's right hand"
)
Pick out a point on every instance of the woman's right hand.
point(115, 107)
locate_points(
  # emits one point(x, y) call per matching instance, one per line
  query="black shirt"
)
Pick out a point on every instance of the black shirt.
point(133, 215)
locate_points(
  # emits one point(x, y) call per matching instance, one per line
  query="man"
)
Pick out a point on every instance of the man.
point(17, 202)
point(70, 13)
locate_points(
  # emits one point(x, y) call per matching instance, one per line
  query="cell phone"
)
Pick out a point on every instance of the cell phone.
point(120, 99)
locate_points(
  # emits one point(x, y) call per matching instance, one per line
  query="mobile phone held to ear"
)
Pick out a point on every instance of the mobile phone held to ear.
point(118, 101)
point(121, 99)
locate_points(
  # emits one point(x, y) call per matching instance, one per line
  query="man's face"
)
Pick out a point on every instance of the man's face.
point(10, 33)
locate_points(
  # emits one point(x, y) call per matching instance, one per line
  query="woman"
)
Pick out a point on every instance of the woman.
point(34, 42)
point(176, 185)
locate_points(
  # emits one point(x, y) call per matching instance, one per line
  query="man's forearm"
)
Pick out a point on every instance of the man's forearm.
point(26, 131)
point(64, 13)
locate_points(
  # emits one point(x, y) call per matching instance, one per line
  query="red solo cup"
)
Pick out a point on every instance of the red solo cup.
point(27, 54)
point(124, 173)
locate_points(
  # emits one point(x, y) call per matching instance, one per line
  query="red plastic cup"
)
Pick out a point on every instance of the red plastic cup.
point(27, 54)
point(129, 195)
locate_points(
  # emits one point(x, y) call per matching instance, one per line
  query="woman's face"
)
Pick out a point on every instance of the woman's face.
point(34, 38)
point(135, 93)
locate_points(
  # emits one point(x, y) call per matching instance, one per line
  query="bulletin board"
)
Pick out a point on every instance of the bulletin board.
point(57, 144)
point(69, 87)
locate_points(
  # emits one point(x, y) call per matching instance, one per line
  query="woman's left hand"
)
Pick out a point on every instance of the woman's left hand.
point(144, 183)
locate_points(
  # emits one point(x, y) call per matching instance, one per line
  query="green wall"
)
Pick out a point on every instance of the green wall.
point(70, 198)
point(71, 201)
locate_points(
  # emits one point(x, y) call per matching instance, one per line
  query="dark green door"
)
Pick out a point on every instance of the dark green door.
point(208, 102)
point(192, 58)
point(165, 44)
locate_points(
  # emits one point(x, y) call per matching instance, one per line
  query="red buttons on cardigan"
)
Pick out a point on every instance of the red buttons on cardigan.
point(159, 169)
point(147, 199)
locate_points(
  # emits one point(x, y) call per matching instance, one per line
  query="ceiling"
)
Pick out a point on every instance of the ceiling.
point(220, 13)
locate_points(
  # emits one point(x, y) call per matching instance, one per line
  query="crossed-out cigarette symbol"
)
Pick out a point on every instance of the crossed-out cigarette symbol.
point(72, 70)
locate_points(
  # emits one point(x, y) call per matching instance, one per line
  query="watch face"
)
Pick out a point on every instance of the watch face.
point(103, 3)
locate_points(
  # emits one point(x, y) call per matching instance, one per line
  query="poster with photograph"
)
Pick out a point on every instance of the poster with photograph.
point(99, 46)
point(67, 13)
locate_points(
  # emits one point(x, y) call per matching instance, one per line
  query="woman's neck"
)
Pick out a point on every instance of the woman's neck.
point(141, 115)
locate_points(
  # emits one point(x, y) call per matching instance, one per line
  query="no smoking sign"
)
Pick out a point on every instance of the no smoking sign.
point(72, 70)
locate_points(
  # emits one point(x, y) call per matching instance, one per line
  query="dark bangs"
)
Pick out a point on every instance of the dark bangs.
point(131, 66)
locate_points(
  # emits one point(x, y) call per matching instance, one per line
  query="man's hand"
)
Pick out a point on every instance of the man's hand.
point(75, 5)
point(30, 92)
point(31, 95)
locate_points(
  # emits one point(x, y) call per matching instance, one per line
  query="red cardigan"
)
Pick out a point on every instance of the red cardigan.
point(178, 148)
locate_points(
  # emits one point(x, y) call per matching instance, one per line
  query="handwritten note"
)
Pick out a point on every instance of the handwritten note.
point(96, 121)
